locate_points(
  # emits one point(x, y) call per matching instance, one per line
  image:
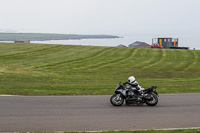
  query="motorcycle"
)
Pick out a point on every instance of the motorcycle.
point(131, 95)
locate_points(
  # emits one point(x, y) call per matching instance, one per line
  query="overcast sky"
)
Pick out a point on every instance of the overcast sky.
point(99, 16)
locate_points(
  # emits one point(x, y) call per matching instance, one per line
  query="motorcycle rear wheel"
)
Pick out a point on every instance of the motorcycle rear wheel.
point(153, 101)
point(116, 100)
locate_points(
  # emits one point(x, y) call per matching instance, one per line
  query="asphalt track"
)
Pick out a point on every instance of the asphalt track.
point(95, 113)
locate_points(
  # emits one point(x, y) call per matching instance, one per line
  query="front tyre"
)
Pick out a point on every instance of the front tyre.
point(116, 100)
point(152, 101)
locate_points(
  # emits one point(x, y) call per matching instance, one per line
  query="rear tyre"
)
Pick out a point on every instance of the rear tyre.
point(153, 101)
point(116, 100)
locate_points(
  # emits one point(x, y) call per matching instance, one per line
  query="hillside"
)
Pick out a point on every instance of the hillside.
point(43, 37)
point(41, 69)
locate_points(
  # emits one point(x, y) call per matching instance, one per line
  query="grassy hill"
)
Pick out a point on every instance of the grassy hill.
point(41, 69)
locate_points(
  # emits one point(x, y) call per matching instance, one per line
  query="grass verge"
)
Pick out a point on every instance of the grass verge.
point(40, 69)
point(143, 131)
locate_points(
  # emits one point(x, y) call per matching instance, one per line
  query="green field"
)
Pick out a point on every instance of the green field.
point(40, 69)
point(151, 131)
point(142, 131)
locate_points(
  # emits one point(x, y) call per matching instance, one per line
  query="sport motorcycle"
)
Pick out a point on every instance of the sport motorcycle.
point(131, 95)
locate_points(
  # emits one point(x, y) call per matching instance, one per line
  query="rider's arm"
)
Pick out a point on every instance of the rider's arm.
point(125, 83)
point(134, 85)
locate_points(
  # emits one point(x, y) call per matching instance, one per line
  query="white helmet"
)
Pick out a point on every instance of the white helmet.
point(131, 79)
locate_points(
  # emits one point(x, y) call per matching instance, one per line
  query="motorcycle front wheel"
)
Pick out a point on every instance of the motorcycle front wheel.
point(152, 101)
point(116, 100)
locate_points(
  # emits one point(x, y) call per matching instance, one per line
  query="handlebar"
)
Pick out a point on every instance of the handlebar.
point(154, 87)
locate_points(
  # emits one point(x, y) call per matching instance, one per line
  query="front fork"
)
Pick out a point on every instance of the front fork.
point(119, 97)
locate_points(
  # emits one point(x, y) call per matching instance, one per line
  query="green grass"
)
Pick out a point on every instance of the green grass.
point(148, 131)
point(40, 69)
point(157, 131)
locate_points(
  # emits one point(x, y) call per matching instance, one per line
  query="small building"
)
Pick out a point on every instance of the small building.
point(22, 41)
point(121, 45)
point(139, 44)
point(166, 42)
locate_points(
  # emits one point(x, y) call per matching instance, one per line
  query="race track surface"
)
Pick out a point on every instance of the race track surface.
point(95, 113)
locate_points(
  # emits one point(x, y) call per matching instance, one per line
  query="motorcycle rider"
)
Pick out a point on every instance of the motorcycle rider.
point(132, 82)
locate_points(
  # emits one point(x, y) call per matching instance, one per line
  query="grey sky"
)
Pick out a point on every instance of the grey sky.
point(99, 16)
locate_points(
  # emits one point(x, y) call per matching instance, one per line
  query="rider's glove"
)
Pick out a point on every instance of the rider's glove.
point(124, 83)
